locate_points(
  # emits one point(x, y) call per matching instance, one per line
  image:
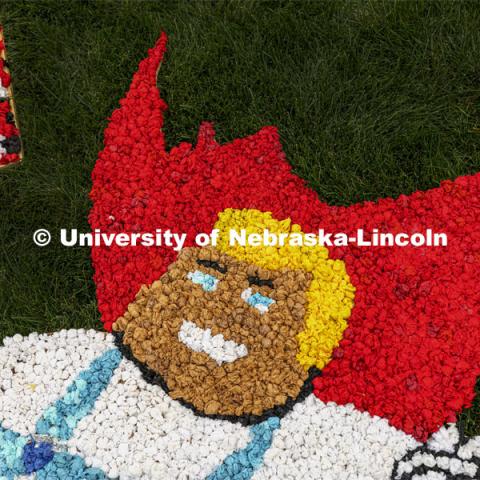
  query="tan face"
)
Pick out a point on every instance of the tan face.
point(221, 333)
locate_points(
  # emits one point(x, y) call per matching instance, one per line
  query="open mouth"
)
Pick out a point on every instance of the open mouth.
point(215, 346)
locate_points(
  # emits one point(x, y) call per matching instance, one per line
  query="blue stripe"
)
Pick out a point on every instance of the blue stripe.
point(59, 420)
point(65, 466)
point(11, 454)
point(21, 455)
point(241, 464)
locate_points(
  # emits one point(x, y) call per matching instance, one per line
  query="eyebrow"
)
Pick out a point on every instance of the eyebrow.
point(212, 264)
point(254, 280)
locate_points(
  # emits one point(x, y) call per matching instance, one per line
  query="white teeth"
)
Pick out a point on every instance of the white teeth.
point(216, 347)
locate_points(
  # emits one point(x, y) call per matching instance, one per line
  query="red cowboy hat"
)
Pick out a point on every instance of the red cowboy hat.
point(410, 353)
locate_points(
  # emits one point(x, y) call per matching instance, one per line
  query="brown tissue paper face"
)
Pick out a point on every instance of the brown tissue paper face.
point(252, 384)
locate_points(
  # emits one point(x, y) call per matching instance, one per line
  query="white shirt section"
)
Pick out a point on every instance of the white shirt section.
point(36, 370)
point(331, 442)
point(137, 431)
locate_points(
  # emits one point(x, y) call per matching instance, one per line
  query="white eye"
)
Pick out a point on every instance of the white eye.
point(208, 282)
point(257, 300)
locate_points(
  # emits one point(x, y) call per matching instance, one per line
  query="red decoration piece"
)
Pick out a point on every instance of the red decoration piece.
point(10, 146)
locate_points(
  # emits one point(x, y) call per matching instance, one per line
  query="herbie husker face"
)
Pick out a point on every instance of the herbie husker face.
point(221, 333)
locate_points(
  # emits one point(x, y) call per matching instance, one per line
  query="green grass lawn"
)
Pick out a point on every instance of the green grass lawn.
point(371, 98)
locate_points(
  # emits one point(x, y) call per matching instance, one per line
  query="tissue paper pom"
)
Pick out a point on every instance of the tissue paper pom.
point(36, 456)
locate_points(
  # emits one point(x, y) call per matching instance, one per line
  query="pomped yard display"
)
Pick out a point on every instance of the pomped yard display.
point(252, 362)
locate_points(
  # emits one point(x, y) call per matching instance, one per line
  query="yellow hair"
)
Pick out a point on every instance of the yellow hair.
point(330, 294)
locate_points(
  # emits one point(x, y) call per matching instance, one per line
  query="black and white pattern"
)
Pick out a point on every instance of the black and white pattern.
point(448, 455)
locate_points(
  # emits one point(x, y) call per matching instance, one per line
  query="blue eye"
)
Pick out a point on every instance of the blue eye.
point(257, 300)
point(208, 282)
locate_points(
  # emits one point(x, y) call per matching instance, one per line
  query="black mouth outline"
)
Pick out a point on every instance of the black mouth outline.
point(246, 420)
